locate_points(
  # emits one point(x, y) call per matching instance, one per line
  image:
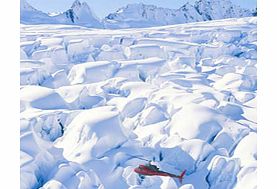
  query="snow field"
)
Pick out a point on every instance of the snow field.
point(96, 103)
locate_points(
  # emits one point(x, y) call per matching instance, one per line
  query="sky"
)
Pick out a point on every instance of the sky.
point(103, 7)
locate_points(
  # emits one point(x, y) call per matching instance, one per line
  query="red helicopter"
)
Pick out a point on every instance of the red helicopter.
point(153, 170)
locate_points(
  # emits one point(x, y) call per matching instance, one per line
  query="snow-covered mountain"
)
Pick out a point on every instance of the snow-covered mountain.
point(219, 9)
point(78, 14)
point(137, 15)
point(141, 15)
point(30, 15)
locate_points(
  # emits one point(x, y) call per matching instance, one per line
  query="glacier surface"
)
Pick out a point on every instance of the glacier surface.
point(97, 103)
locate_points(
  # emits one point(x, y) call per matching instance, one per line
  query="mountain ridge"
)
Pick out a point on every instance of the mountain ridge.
point(78, 14)
point(136, 15)
point(202, 10)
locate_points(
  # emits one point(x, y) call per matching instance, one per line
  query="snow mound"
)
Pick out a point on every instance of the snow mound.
point(100, 133)
point(92, 72)
point(194, 121)
point(41, 98)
